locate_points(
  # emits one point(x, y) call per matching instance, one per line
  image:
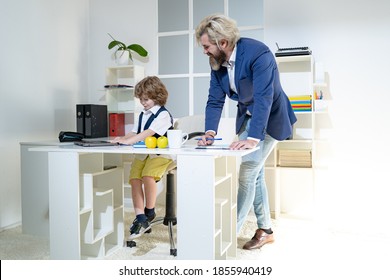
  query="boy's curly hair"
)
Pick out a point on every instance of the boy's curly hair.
point(153, 88)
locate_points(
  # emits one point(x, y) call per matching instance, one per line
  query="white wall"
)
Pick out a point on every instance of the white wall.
point(127, 21)
point(44, 48)
point(351, 39)
point(53, 56)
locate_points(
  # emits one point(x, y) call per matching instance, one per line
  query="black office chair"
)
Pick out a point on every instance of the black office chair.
point(170, 218)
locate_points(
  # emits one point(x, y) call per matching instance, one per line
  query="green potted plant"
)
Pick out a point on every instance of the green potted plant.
point(123, 52)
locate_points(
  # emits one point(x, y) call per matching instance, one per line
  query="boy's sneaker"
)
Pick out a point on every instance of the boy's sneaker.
point(151, 217)
point(138, 228)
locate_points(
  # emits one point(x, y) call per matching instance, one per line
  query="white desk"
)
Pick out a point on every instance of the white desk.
point(206, 201)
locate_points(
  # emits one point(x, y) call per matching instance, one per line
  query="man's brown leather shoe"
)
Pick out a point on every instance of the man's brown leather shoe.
point(258, 240)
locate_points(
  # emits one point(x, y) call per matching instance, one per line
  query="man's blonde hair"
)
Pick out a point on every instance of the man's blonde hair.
point(218, 27)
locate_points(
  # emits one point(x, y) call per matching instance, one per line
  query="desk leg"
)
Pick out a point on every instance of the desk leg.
point(195, 207)
point(64, 205)
point(34, 192)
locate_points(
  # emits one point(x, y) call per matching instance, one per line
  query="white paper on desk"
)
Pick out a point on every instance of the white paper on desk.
point(213, 147)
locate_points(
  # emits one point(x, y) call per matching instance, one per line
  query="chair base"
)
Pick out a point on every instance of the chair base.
point(170, 219)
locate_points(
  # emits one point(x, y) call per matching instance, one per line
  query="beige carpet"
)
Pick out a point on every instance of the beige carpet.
point(307, 247)
point(155, 246)
point(17, 246)
point(14, 245)
point(302, 250)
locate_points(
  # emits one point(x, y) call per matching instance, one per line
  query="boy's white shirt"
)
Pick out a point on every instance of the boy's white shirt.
point(160, 125)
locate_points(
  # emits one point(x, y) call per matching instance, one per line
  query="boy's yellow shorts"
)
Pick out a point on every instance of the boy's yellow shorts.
point(153, 167)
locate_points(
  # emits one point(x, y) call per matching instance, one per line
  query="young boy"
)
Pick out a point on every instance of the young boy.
point(146, 170)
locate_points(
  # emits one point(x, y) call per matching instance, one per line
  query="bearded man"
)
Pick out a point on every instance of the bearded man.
point(245, 70)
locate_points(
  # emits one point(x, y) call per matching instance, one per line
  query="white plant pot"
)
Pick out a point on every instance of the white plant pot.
point(122, 57)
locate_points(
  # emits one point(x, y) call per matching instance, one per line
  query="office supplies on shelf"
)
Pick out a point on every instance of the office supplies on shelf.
point(292, 51)
point(295, 158)
point(301, 103)
point(117, 86)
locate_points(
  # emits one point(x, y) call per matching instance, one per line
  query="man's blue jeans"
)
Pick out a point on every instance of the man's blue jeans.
point(252, 189)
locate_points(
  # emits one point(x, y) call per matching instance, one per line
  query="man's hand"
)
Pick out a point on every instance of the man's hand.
point(207, 139)
point(243, 144)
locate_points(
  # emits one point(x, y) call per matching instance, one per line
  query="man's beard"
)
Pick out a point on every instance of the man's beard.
point(217, 60)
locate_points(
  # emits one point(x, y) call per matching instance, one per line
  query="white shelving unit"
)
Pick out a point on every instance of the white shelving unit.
point(292, 188)
point(215, 199)
point(225, 207)
point(98, 229)
point(122, 99)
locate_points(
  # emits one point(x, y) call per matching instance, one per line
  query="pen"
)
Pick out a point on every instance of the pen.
point(209, 138)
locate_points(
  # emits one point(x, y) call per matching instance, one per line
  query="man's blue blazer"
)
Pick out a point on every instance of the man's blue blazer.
point(258, 91)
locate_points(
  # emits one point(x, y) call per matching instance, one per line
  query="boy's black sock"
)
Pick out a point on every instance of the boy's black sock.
point(149, 212)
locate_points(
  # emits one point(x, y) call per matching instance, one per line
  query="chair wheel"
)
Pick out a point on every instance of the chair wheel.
point(131, 243)
point(174, 252)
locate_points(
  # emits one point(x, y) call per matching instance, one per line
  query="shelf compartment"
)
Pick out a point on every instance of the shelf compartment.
point(101, 206)
point(105, 180)
point(102, 198)
point(295, 144)
point(224, 216)
point(92, 251)
point(86, 198)
point(219, 203)
point(119, 100)
point(124, 75)
point(115, 239)
point(232, 170)
point(223, 189)
point(111, 179)
point(90, 163)
point(103, 213)
point(223, 238)
point(221, 246)
point(296, 58)
point(303, 128)
point(114, 159)
point(122, 99)
point(86, 228)
point(220, 167)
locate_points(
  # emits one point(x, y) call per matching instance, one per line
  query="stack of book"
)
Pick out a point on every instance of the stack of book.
point(294, 158)
point(301, 103)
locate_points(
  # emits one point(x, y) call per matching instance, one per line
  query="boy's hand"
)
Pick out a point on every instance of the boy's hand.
point(116, 140)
